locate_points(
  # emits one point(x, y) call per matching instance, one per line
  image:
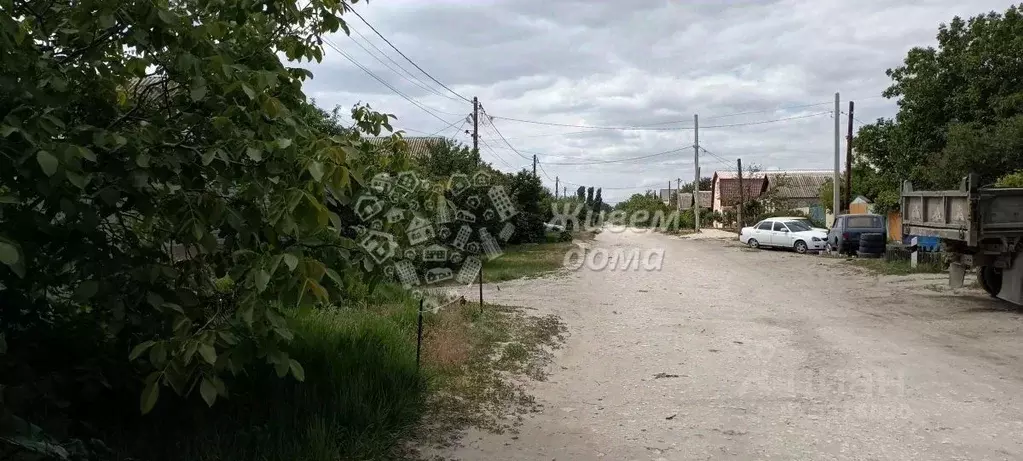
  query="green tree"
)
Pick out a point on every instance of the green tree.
point(598, 201)
point(150, 148)
point(589, 196)
point(580, 193)
point(705, 184)
point(960, 108)
point(446, 157)
point(1011, 180)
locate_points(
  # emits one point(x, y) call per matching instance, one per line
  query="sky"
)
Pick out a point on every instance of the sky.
point(761, 75)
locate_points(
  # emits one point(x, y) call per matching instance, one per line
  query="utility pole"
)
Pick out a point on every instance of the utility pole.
point(837, 181)
point(476, 150)
point(556, 179)
point(564, 191)
point(742, 197)
point(678, 188)
point(696, 161)
point(669, 192)
point(534, 165)
point(848, 160)
point(476, 130)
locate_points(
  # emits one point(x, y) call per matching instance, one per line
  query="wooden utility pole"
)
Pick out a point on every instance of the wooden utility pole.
point(476, 129)
point(669, 192)
point(534, 165)
point(848, 160)
point(696, 162)
point(837, 180)
point(564, 192)
point(556, 179)
point(742, 198)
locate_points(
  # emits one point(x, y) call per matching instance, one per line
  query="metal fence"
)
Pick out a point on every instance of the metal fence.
point(900, 253)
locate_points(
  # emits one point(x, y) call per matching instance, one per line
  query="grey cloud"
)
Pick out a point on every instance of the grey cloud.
point(639, 63)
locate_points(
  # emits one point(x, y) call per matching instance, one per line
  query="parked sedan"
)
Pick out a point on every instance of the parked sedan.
point(783, 233)
point(802, 220)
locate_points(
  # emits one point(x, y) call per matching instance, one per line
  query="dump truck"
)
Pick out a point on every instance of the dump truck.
point(980, 228)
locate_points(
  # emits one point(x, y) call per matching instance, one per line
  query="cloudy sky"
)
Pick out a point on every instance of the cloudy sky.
point(762, 76)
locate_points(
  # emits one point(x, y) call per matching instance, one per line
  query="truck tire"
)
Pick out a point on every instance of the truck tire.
point(990, 279)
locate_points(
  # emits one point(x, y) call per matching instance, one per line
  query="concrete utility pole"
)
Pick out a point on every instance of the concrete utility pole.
point(534, 165)
point(556, 179)
point(678, 189)
point(848, 160)
point(837, 181)
point(476, 133)
point(669, 192)
point(564, 191)
point(696, 162)
point(742, 197)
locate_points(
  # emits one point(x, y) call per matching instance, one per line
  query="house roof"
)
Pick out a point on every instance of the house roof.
point(728, 189)
point(686, 199)
point(418, 146)
point(798, 184)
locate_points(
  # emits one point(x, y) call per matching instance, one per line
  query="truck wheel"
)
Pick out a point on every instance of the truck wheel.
point(990, 279)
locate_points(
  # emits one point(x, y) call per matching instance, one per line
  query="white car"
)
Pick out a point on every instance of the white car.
point(802, 220)
point(784, 233)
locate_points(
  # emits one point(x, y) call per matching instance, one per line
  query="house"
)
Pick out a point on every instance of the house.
point(725, 189)
point(797, 190)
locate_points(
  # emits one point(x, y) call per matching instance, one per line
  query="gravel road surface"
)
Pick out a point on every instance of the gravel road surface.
point(727, 353)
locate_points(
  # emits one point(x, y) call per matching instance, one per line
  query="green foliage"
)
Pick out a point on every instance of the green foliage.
point(447, 157)
point(1011, 180)
point(580, 193)
point(529, 196)
point(960, 110)
point(149, 150)
point(705, 184)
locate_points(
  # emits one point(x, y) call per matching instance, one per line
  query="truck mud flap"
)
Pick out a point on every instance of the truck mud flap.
point(1012, 282)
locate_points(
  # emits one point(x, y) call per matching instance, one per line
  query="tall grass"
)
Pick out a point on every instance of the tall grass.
point(361, 396)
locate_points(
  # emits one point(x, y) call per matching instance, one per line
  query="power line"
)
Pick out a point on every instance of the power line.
point(383, 82)
point(411, 78)
point(498, 131)
point(731, 125)
point(601, 162)
point(496, 154)
point(374, 29)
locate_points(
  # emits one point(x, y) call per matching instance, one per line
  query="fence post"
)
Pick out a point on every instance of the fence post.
point(419, 335)
point(914, 257)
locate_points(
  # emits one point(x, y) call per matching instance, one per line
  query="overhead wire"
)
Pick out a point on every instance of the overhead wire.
point(418, 104)
point(374, 29)
point(411, 78)
point(730, 125)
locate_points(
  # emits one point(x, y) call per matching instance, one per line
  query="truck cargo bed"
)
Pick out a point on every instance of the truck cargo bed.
point(969, 215)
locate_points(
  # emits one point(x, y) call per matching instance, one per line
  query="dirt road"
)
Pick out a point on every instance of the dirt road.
point(732, 354)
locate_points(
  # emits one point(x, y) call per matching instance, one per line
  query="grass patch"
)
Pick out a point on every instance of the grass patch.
point(532, 259)
point(478, 373)
point(362, 399)
point(527, 260)
point(898, 267)
point(362, 395)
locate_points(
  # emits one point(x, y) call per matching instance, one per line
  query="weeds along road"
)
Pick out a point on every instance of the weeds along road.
point(727, 353)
